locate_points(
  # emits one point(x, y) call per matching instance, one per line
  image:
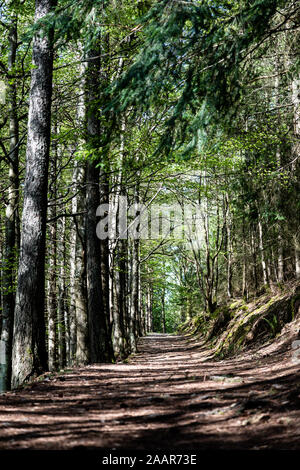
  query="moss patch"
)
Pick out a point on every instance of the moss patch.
point(240, 325)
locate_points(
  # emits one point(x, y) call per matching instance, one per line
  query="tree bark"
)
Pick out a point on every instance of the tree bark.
point(117, 284)
point(104, 258)
point(9, 261)
point(123, 293)
point(254, 260)
point(62, 312)
point(262, 254)
point(99, 338)
point(149, 322)
point(29, 348)
point(280, 269)
point(133, 327)
point(52, 253)
point(52, 287)
point(81, 309)
point(296, 164)
point(73, 238)
point(163, 311)
point(244, 271)
point(229, 251)
point(78, 293)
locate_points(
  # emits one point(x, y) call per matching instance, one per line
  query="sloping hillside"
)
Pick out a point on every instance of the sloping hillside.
point(237, 326)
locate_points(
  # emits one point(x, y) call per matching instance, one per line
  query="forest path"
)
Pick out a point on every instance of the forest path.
point(169, 395)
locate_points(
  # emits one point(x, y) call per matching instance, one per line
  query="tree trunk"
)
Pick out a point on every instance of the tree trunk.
point(29, 348)
point(280, 270)
point(52, 296)
point(254, 260)
point(163, 311)
point(62, 313)
point(135, 278)
point(229, 258)
point(123, 293)
point(104, 261)
point(133, 326)
point(296, 165)
point(73, 239)
point(78, 294)
point(244, 274)
point(9, 261)
point(52, 287)
point(81, 309)
point(278, 191)
point(149, 309)
point(297, 255)
point(98, 328)
point(262, 254)
point(117, 285)
point(99, 339)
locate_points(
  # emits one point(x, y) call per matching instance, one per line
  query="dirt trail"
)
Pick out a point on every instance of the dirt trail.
point(169, 395)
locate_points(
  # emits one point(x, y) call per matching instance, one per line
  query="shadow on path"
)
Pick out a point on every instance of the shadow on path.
point(169, 395)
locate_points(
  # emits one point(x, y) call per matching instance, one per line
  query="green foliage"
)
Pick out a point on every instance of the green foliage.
point(194, 52)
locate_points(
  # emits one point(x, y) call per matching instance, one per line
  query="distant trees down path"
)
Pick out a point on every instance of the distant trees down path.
point(187, 113)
